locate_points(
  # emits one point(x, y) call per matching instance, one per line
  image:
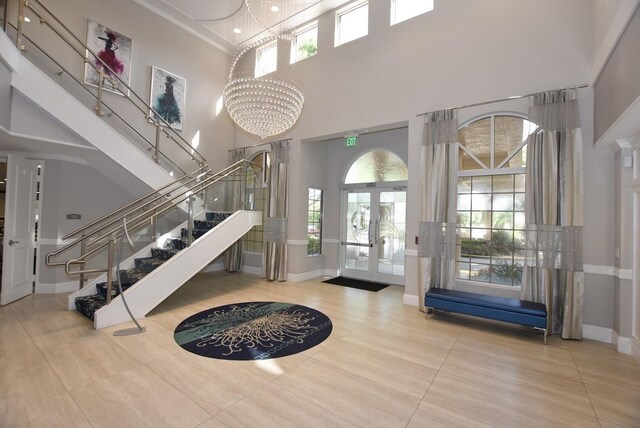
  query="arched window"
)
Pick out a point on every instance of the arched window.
point(376, 166)
point(491, 198)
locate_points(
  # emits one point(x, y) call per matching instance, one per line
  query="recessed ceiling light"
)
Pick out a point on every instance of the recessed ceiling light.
point(274, 8)
point(237, 30)
point(26, 19)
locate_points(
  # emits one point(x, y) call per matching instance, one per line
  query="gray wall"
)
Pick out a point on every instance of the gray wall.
point(5, 96)
point(70, 187)
point(618, 84)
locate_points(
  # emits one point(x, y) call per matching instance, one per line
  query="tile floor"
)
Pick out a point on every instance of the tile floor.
point(384, 365)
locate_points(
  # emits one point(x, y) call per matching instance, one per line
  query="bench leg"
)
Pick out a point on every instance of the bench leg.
point(544, 333)
point(427, 312)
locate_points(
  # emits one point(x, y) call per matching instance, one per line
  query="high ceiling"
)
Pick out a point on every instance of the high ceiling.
point(216, 20)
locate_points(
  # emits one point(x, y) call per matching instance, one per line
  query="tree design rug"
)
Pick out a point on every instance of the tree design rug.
point(253, 331)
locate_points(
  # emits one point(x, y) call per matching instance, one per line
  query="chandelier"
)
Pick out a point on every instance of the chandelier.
point(267, 105)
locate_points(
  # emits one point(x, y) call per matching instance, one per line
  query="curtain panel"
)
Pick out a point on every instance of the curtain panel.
point(437, 228)
point(233, 255)
point(274, 253)
point(552, 272)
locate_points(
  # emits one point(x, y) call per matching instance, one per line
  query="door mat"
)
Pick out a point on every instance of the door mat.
point(356, 283)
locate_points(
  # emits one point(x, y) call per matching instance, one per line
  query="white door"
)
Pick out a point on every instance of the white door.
point(19, 229)
point(373, 234)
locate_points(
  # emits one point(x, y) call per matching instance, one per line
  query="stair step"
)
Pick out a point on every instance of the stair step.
point(163, 253)
point(88, 305)
point(148, 264)
point(102, 288)
point(217, 216)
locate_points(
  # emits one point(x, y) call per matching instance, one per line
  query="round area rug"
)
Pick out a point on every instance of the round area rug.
point(253, 331)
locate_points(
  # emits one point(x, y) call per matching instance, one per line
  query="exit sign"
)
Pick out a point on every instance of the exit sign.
point(350, 141)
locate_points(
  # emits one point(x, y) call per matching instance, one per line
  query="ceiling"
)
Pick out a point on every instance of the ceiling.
point(215, 20)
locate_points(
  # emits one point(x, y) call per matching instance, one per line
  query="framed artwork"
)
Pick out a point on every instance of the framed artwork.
point(113, 51)
point(168, 97)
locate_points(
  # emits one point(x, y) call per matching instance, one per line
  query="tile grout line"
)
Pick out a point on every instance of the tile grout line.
point(67, 391)
point(586, 391)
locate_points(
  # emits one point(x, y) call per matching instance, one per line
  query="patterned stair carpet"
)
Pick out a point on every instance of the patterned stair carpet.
point(253, 331)
point(88, 305)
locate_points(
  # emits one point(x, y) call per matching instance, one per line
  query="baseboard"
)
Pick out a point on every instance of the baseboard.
point(597, 333)
point(332, 273)
point(635, 349)
point(411, 300)
point(622, 344)
point(299, 277)
point(252, 270)
point(57, 287)
point(217, 267)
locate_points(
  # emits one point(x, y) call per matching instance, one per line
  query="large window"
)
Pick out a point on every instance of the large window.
point(266, 59)
point(401, 10)
point(304, 42)
point(314, 222)
point(352, 22)
point(491, 199)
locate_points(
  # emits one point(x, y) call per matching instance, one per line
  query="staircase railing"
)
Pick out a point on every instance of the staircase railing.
point(102, 234)
point(179, 157)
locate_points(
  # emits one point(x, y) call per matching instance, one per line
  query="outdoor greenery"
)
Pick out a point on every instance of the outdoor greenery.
point(313, 245)
point(307, 48)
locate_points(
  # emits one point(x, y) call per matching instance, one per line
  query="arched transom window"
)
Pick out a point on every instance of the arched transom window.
point(377, 166)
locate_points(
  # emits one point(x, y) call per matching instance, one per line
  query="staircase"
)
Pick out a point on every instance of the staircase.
point(162, 271)
point(88, 305)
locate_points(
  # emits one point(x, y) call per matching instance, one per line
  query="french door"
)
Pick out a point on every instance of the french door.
point(373, 234)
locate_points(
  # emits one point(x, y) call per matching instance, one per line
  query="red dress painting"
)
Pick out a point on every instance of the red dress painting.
point(108, 55)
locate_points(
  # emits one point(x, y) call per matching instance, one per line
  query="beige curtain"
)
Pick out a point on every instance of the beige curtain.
point(233, 255)
point(274, 253)
point(437, 230)
point(553, 273)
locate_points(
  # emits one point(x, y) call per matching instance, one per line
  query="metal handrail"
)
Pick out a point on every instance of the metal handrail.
point(133, 224)
point(146, 215)
point(178, 182)
point(147, 108)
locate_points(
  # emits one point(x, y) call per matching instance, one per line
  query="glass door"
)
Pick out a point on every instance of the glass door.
point(373, 234)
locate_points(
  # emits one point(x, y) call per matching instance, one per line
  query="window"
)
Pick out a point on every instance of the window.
point(255, 199)
point(401, 10)
point(491, 199)
point(376, 166)
point(266, 59)
point(352, 22)
point(304, 43)
point(314, 222)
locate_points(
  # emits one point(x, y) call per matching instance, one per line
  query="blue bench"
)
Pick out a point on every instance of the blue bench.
point(514, 311)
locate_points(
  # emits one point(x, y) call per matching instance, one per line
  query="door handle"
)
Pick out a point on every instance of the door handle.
point(11, 242)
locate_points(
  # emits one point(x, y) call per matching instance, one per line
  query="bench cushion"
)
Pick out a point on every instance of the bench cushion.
point(498, 308)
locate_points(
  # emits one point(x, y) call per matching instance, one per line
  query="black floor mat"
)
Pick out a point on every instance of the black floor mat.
point(356, 283)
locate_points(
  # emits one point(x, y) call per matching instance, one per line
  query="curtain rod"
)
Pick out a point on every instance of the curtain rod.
point(516, 97)
point(260, 144)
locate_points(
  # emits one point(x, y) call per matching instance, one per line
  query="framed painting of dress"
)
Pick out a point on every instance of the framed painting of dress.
point(168, 97)
point(109, 51)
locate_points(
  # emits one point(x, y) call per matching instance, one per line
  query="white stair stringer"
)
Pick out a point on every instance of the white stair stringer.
point(90, 288)
point(155, 287)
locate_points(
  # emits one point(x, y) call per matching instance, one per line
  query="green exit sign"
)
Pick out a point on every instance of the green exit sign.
point(350, 141)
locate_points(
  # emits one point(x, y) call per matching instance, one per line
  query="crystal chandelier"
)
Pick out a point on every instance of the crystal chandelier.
point(264, 106)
